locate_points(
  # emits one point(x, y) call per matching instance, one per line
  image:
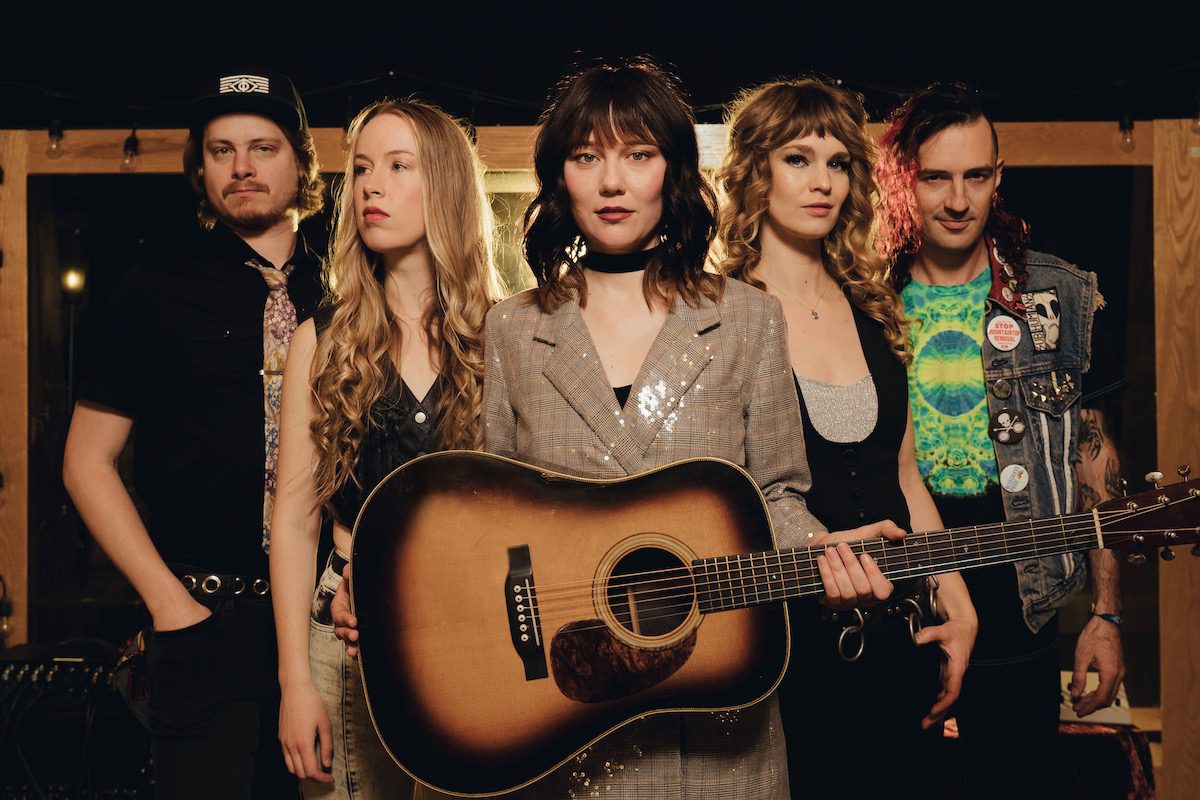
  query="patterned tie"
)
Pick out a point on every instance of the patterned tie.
point(279, 323)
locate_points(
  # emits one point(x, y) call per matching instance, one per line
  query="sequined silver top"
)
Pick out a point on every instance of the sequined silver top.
point(841, 413)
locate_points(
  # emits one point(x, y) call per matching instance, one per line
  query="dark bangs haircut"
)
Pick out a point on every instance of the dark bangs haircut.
point(633, 100)
point(928, 112)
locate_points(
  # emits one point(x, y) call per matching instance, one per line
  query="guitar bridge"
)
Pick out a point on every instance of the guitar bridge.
point(520, 597)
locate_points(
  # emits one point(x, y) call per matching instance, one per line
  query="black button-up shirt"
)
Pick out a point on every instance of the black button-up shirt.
point(180, 352)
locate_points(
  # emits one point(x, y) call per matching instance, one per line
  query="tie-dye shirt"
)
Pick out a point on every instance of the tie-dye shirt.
point(946, 388)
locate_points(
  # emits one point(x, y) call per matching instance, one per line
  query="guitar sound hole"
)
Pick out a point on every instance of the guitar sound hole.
point(650, 592)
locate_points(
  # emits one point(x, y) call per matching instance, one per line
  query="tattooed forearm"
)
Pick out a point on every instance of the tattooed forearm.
point(1091, 435)
point(1098, 469)
point(1112, 477)
point(1088, 497)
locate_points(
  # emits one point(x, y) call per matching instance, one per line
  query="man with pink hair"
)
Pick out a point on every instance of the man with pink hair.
point(1006, 383)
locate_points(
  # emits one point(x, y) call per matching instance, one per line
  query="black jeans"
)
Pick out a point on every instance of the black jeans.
point(1008, 727)
point(854, 729)
point(214, 708)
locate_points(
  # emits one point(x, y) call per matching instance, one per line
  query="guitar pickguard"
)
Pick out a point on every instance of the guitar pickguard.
point(591, 665)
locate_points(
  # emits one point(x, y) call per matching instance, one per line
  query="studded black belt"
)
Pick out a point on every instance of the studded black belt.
point(217, 585)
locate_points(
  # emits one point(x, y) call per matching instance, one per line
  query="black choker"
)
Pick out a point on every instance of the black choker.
point(622, 262)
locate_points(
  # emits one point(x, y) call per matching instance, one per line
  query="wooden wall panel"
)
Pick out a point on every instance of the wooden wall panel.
point(1067, 144)
point(101, 152)
point(506, 148)
point(1073, 144)
point(510, 148)
point(14, 380)
point(1177, 314)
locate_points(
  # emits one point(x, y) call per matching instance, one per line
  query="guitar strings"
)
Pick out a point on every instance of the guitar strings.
point(986, 534)
point(804, 587)
point(992, 539)
point(735, 577)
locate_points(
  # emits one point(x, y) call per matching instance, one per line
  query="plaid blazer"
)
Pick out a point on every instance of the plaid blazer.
point(716, 382)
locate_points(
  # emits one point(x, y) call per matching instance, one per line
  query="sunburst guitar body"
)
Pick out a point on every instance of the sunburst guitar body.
point(510, 616)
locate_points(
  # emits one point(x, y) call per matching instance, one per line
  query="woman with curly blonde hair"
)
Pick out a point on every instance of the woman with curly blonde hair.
point(390, 369)
point(796, 218)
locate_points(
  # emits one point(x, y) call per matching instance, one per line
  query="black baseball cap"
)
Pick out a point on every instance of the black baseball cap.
point(248, 91)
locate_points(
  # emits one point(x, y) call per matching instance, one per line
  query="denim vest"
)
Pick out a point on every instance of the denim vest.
point(1041, 379)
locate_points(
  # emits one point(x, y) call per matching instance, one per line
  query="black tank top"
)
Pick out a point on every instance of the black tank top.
point(401, 427)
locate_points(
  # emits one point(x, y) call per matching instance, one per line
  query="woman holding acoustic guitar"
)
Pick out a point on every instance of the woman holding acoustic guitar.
point(795, 221)
point(629, 356)
point(388, 370)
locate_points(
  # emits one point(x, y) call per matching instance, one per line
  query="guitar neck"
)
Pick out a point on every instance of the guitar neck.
point(725, 583)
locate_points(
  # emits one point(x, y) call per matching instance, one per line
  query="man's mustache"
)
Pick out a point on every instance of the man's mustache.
point(242, 186)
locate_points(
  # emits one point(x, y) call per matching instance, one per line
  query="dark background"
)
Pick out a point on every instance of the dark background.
point(107, 65)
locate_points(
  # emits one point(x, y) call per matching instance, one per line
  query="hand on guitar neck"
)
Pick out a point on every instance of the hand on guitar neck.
point(854, 580)
point(850, 580)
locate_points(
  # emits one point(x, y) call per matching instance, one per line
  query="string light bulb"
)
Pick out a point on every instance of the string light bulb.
point(55, 148)
point(73, 281)
point(1125, 133)
point(132, 145)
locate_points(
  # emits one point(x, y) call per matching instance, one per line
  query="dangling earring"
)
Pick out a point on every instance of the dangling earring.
point(664, 237)
point(576, 250)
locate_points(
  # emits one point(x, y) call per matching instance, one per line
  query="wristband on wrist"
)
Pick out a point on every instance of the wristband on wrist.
point(1115, 619)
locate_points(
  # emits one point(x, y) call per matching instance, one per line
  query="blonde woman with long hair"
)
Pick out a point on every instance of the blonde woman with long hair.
point(389, 369)
point(795, 220)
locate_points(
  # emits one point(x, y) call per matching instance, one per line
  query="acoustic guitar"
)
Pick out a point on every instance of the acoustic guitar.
point(511, 616)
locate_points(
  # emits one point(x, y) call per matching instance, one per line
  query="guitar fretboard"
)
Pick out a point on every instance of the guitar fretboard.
point(725, 583)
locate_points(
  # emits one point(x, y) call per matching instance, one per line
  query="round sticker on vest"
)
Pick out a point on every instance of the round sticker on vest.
point(1014, 478)
point(1004, 332)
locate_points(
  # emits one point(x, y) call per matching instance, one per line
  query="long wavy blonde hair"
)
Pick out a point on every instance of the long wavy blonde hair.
point(352, 367)
point(767, 117)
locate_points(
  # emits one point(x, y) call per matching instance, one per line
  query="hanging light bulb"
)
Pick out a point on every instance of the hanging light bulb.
point(1125, 133)
point(129, 162)
point(73, 282)
point(55, 148)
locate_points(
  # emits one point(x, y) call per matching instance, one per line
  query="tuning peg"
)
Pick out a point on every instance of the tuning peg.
point(1154, 477)
point(1196, 550)
point(1124, 486)
point(1138, 556)
point(1167, 554)
point(1184, 470)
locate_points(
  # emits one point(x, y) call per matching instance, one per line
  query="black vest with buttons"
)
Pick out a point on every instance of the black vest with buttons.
point(857, 483)
point(401, 428)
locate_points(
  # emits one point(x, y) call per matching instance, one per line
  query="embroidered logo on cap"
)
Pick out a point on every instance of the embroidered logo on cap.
point(244, 83)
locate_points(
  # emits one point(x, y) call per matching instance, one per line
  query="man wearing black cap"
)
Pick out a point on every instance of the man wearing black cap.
point(191, 350)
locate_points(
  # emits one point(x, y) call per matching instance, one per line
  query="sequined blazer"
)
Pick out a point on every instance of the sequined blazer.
point(716, 382)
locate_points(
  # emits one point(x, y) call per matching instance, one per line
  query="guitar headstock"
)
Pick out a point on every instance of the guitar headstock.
point(1161, 517)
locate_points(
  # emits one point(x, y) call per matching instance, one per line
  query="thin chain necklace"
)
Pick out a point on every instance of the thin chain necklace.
point(812, 309)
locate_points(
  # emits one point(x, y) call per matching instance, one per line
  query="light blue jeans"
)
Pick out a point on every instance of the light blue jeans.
point(361, 766)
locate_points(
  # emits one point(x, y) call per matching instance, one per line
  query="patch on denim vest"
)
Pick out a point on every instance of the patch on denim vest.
point(1044, 315)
